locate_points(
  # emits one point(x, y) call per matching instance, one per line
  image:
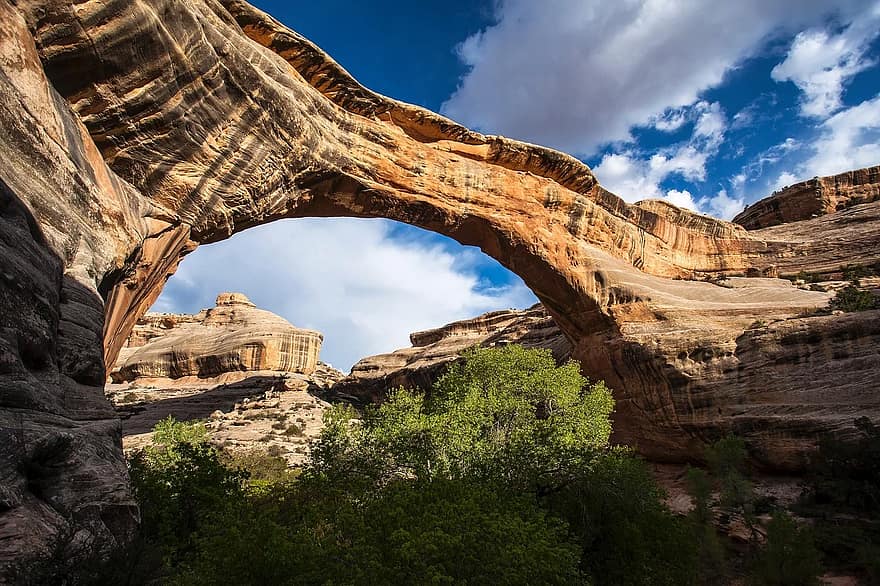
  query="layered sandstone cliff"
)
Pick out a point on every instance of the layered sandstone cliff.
point(232, 336)
point(249, 373)
point(812, 198)
point(132, 132)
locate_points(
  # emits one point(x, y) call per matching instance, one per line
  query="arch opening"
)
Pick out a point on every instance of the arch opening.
point(365, 284)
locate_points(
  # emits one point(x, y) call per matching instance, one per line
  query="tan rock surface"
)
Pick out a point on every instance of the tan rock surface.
point(433, 350)
point(812, 198)
point(232, 336)
point(134, 131)
point(281, 412)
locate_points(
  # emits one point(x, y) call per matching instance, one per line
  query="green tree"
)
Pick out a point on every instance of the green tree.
point(847, 472)
point(851, 298)
point(438, 531)
point(504, 413)
point(627, 534)
point(710, 551)
point(727, 460)
point(789, 557)
point(180, 483)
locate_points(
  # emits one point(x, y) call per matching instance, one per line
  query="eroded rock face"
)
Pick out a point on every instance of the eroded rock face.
point(433, 350)
point(232, 336)
point(132, 132)
point(812, 198)
point(278, 412)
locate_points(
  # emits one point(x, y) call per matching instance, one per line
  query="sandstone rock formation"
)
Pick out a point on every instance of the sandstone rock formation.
point(232, 336)
point(255, 377)
point(812, 198)
point(433, 350)
point(134, 131)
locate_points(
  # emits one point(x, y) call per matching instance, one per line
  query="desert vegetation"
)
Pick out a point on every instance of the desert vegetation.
point(502, 473)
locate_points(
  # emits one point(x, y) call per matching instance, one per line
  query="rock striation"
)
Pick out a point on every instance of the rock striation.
point(232, 336)
point(433, 350)
point(132, 132)
point(812, 198)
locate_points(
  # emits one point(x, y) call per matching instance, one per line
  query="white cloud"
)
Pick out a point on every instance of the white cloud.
point(634, 176)
point(784, 180)
point(670, 120)
point(722, 205)
point(577, 74)
point(363, 288)
point(820, 63)
point(848, 140)
point(759, 163)
point(682, 199)
point(711, 122)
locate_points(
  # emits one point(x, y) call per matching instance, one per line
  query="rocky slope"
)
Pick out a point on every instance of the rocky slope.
point(252, 376)
point(278, 412)
point(232, 336)
point(132, 132)
point(433, 350)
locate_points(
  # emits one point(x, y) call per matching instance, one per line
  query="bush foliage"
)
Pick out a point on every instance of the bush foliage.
point(501, 473)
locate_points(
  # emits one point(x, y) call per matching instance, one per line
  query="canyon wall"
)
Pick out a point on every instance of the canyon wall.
point(812, 198)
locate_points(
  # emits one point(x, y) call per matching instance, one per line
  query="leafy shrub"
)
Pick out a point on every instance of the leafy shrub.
point(851, 298)
point(179, 483)
point(293, 430)
point(727, 460)
point(855, 272)
point(261, 466)
point(500, 474)
point(627, 534)
point(711, 564)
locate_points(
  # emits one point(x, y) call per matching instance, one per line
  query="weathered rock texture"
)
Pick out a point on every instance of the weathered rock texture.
point(279, 412)
point(815, 197)
point(232, 336)
point(133, 131)
point(433, 350)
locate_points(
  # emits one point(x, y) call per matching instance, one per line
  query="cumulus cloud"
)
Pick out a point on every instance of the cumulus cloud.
point(722, 205)
point(363, 287)
point(634, 175)
point(576, 74)
point(848, 140)
point(820, 63)
point(784, 180)
point(682, 199)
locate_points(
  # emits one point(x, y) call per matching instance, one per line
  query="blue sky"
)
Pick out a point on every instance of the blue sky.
point(709, 105)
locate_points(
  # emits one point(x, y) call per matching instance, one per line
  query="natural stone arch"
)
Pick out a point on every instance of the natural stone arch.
point(134, 131)
point(248, 122)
